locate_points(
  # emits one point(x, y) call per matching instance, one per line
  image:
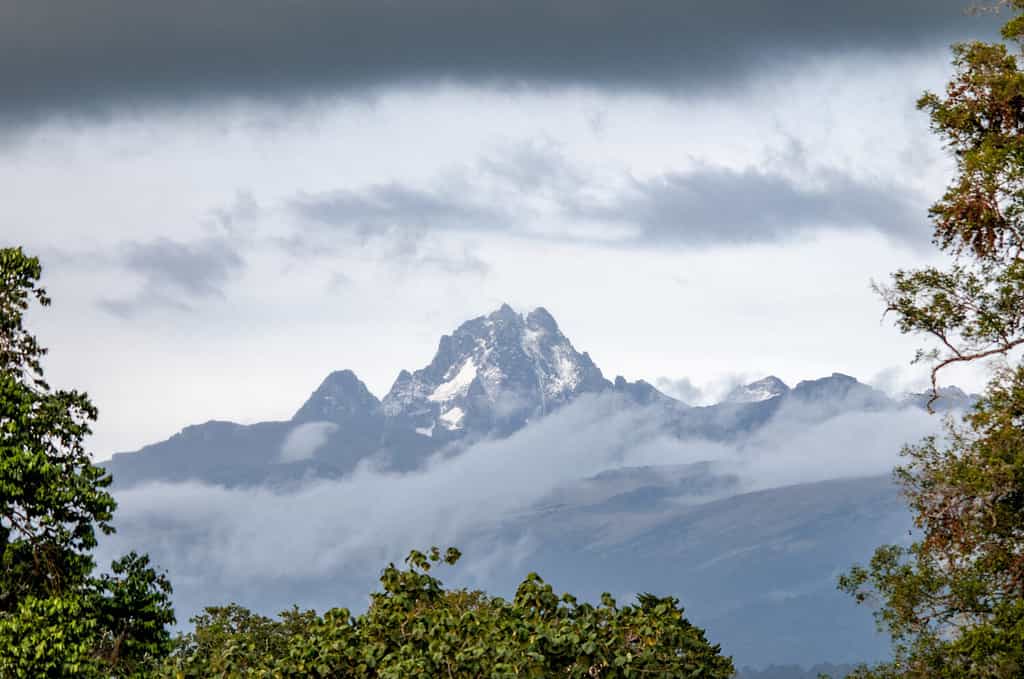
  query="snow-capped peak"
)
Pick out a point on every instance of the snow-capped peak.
point(761, 390)
point(500, 368)
point(456, 385)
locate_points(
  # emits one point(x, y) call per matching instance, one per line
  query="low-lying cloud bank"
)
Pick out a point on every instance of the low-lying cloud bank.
point(303, 441)
point(220, 543)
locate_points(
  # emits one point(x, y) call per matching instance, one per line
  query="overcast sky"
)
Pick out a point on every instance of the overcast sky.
point(232, 199)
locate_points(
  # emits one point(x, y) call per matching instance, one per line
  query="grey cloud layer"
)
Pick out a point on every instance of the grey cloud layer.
point(703, 206)
point(62, 57)
point(383, 206)
point(528, 190)
point(175, 273)
point(718, 205)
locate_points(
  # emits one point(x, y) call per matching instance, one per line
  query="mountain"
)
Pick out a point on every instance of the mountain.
point(944, 400)
point(841, 389)
point(494, 374)
point(340, 398)
point(489, 378)
point(644, 394)
point(756, 569)
point(683, 501)
point(761, 390)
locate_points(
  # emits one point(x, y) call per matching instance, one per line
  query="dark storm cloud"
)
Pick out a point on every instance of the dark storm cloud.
point(175, 274)
point(714, 205)
point(81, 58)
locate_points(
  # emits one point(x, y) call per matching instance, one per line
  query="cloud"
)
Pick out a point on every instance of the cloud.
point(532, 166)
point(396, 222)
point(795, 448)
point(304, 440)
point(464, 262)
point(223, 543)
point(65, 58)
point(704, 394)
point(231, 218)
point(354, 519)
point(174, 274)
point(680, 388)
point(544, 196)
point(395, 206)
point(716, 205)
point(898, 381)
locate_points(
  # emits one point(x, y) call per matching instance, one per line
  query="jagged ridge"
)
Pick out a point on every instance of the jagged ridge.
point(489, 378)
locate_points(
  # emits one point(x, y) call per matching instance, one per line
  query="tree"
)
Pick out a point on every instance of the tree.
point(57, 618)
point(953, 601)
point(415, 627)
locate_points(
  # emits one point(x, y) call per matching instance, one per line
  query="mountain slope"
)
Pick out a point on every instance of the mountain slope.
point(756, 569)
point(489, 378)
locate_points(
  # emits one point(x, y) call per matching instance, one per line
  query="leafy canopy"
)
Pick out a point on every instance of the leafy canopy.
point(953, 601)
point(57, 617)
point(414, 627)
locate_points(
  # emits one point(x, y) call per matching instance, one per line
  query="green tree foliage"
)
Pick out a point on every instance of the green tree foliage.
point(57, 617)
point(954, 600)
point(414, 627)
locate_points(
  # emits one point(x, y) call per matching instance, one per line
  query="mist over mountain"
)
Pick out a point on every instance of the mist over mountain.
point(513, 445)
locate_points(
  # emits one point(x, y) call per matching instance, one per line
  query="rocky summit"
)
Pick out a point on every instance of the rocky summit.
point(494, 373)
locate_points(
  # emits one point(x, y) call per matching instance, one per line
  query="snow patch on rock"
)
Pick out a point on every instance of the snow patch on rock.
point(452, 419)
point(456, 385)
